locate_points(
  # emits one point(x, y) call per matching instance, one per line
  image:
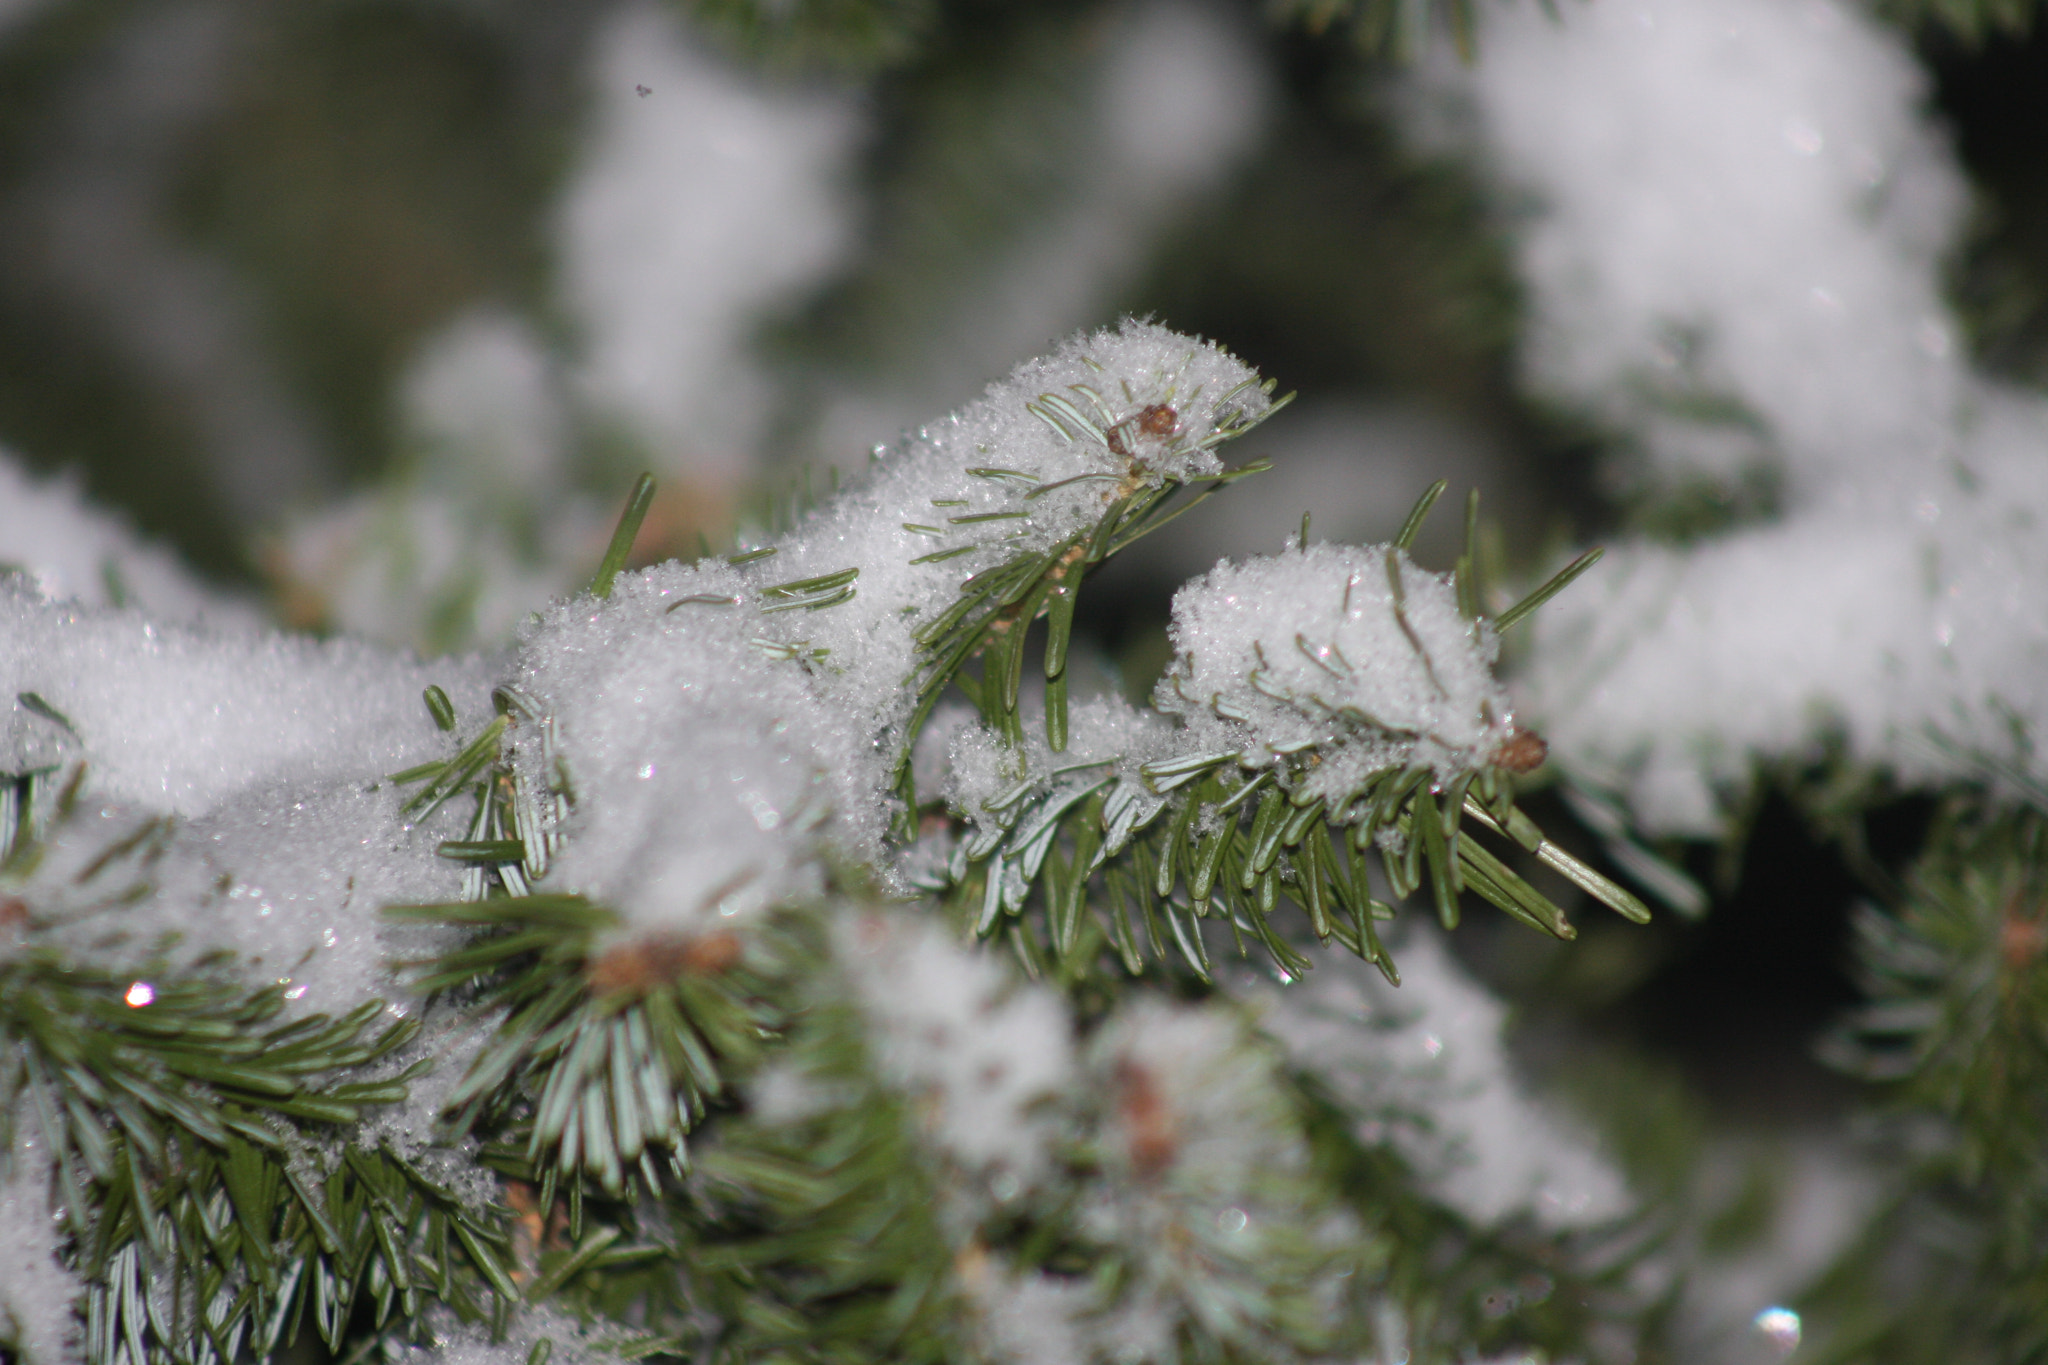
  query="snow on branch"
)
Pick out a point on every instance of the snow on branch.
point(711, 723)
point(1353, 650)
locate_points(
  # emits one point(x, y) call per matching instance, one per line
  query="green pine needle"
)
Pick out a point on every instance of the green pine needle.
point(615, 555)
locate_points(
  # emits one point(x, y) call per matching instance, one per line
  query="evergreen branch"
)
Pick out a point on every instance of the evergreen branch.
point(1955, 1030)
point(1151, 864)
point(604, 1056)
point(623, 536)
point(997, 606)
point(217, 1191)
point(1394, 28)
point(821, 1227)
point(786, 1232)
point(184, 1126)
point(1179, 839)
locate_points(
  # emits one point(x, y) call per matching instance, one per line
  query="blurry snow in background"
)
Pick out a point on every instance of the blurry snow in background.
point(705, 198)
point(1820, 1193)
point(1181, 97)
point(1427, 1068)
point(13, 12)
point(90, 213)
point(1738, 217)
point(484, 526)
point(484, 402)
point(1755, 293)
point(68, 548)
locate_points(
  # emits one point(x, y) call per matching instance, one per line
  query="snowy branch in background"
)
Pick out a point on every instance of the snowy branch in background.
point(67, 548)
point(1754, 298)
point(706, 196)
point(1172, 97)
point(1426, 1068)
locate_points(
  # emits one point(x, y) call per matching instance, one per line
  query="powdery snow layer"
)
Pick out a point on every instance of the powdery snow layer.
point(256, 764)
point(1733, 250)
point(980, 770)
point(1350, 649)
point(700, 765)
point(1424, 1068)
point(709, 718)
point(180, 719)
point(289, 879)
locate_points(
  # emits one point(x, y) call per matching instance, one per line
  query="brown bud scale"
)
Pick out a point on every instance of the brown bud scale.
point(649, 964)
point(1523, 751)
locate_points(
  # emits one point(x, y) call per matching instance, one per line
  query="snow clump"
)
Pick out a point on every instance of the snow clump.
point(1353, 652)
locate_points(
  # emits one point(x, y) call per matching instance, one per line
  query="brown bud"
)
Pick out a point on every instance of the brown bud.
point(1158, 420)
point(1523, 751)
point(648, 964)
point(2021, 935)
point(1147, 1119)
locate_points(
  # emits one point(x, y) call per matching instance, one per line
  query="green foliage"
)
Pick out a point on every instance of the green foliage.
point(213, 1194)
point(1972, 21)
point(821, 1240)
point(788, 1236)
point(1114, 856)
point(1191, 843)
point(603, 1058)
point(1956, 1033)
point(1397, 28)
point(857, 37)
point(637, 503)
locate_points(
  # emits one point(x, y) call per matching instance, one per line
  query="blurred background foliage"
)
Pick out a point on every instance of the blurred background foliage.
point(227, 229)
